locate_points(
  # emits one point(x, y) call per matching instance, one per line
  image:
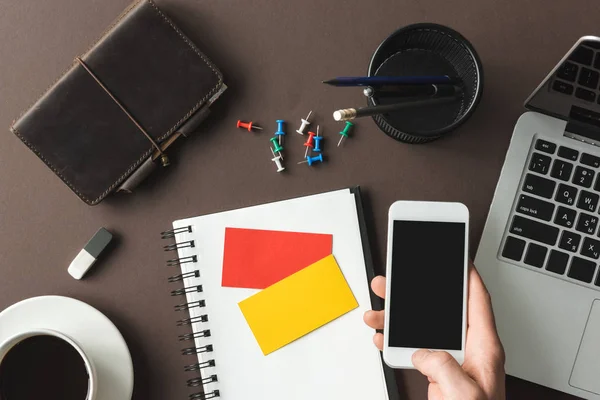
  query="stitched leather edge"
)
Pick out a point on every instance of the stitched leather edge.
point(203, 57)
point(146, 154)
point(41, 156)
point(71, 66)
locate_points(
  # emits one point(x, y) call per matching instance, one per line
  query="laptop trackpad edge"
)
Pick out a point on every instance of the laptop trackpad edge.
point(586, 370)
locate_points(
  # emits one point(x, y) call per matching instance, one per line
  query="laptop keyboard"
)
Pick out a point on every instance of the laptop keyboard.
point(580, 75)
point(553, 227)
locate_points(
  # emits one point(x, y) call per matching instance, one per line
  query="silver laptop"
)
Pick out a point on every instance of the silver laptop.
point(540, 249)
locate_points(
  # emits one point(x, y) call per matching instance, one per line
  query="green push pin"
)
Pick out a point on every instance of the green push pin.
point(276, 147)
point(345, 131)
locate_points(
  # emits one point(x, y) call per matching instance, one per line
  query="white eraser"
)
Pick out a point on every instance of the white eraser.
point(81, 264)
point(88, 255)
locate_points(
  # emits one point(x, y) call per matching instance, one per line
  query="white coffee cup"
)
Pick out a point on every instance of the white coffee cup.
point(8, 344)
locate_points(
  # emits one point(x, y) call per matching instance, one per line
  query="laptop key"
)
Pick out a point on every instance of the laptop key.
point(513, 248)
point(563, 87)
point(545, 146)
point(582, 55)
point(539, 163)
point(590, 248)
point(598, 277)
point(582, 270)
point(588, 201)
point(597, 61)
point(587, 223)
point(589, 78)
point(557, 262)
point(583, 177)
point(597, 185)
point(561, 170)
point(568, 71)
point(568, 153)
point(539, 186)
point(536, 255)
point(566, 194)
point(565, 217)
point(535, 208)
point(585, 94)
point(534, 230)
point(590, 160)
point(569, 241)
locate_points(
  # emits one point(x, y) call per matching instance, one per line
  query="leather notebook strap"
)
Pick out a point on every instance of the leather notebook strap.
point(163, 157)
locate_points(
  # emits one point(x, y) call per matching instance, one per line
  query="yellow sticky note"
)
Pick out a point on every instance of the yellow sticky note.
point(298, 304)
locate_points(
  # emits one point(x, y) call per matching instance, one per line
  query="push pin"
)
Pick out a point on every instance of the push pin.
point(317, 139)
point(277, 161)
point(247, 125)
point(312, 160)
point(344, 133)
point(309, 141)
point(276, 146)
point(280, 131)
point(305, 123)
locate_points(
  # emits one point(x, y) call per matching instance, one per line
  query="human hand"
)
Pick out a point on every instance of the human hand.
point(481, 376)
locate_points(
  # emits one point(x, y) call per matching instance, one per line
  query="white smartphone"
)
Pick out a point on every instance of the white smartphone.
point(426, 288)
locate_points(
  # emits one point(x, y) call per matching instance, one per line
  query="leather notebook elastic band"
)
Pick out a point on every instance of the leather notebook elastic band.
point(163, 157)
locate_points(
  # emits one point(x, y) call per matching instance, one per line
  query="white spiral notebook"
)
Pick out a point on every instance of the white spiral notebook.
point(335, 361)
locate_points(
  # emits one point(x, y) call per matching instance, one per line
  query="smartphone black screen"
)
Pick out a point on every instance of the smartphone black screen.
point(426, 302)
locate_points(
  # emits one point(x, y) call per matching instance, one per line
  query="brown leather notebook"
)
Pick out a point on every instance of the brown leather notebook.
point(107, 121)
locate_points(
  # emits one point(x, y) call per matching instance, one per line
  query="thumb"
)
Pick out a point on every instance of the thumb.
point(441, 368)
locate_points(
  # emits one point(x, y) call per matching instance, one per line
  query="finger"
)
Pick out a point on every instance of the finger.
point(378, 340)
point(443, 369)
point(480, 315)
point(374, 319)
point(485, 360)
point(378, 286)
point(434, 392)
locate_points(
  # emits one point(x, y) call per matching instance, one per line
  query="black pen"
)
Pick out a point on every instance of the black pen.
point(412, 90)
point(351, 113)
point(389, 80)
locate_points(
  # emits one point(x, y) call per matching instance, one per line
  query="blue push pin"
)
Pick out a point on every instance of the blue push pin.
point(317, 139)
point(312, 160)
point(280, 131)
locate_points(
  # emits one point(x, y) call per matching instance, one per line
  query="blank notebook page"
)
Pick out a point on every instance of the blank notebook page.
point(336, 361)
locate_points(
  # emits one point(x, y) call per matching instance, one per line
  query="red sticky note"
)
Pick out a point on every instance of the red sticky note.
point(256, 258)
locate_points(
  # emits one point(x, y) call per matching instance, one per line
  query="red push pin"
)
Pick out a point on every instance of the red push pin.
point(247, 125)
point(309, 141)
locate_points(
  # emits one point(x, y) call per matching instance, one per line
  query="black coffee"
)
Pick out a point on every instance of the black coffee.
point(43, 367)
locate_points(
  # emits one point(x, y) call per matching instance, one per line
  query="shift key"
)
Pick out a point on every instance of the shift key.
point(534, 230)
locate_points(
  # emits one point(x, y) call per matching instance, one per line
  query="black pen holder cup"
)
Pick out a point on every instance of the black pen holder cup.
point(427, 49)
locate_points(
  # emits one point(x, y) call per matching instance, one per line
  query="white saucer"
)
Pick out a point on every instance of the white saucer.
point(95, 333)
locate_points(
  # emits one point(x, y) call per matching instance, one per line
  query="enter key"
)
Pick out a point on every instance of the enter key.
point(535, 207)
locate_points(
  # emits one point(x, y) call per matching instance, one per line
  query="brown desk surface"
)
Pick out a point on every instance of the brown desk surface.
point(274, 55)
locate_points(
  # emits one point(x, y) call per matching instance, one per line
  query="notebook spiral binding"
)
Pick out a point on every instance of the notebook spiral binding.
point(183, 291)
